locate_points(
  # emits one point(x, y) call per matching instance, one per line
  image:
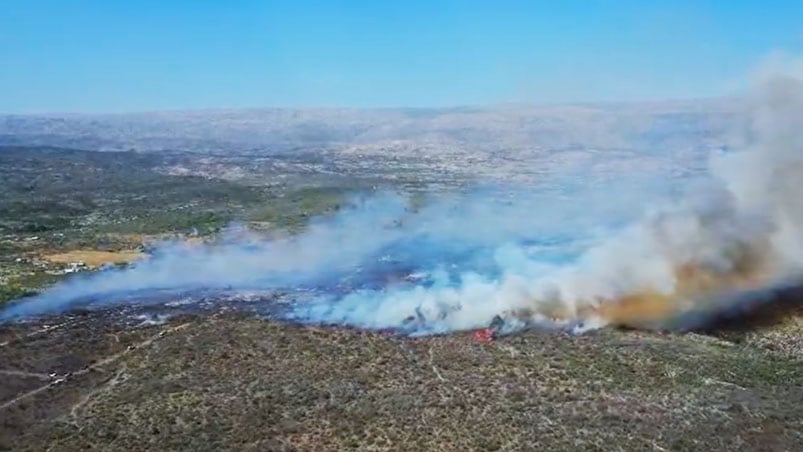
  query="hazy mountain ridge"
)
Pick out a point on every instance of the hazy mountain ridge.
point(265, 131)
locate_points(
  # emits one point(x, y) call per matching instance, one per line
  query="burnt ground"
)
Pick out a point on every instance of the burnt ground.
point(231, 381)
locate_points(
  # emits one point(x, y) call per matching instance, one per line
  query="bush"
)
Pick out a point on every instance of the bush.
point(13, 291)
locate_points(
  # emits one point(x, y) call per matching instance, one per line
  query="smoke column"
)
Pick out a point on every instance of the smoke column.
point(558, 255)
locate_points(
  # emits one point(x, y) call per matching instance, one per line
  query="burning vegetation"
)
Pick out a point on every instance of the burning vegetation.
point(461, 260)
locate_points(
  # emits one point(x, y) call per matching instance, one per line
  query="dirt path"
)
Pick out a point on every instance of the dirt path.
point(22, 373)
point(105, 387)
point(39, 332)
point(59, 380)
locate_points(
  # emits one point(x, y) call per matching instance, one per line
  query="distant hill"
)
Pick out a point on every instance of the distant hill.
point(661, 125)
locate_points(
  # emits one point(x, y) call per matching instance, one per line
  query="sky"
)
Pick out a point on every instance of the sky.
point(115, 56)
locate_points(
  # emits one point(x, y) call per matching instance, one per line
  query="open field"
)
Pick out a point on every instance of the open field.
point(95, 258)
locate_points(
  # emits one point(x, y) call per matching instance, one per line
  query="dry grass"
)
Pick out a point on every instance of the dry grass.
point(94, 258)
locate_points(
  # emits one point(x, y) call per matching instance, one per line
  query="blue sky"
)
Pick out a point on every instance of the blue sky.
point(62, 55)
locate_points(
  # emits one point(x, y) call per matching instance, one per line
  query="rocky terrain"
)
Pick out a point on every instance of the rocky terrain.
point(228, 382)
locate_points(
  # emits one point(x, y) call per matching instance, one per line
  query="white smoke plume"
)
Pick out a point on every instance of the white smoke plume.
point(552, 257)
point(740, 233)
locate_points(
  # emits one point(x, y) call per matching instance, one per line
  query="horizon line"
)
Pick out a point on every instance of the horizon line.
point(487, 106)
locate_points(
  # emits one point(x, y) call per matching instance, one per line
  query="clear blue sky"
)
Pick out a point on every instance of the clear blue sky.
point(114, 55)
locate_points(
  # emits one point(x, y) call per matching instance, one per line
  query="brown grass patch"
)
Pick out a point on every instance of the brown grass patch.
point(94, 258)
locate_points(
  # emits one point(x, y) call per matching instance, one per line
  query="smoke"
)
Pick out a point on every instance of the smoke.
point(572, 252)
point(726, 242)
point(375, 239)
